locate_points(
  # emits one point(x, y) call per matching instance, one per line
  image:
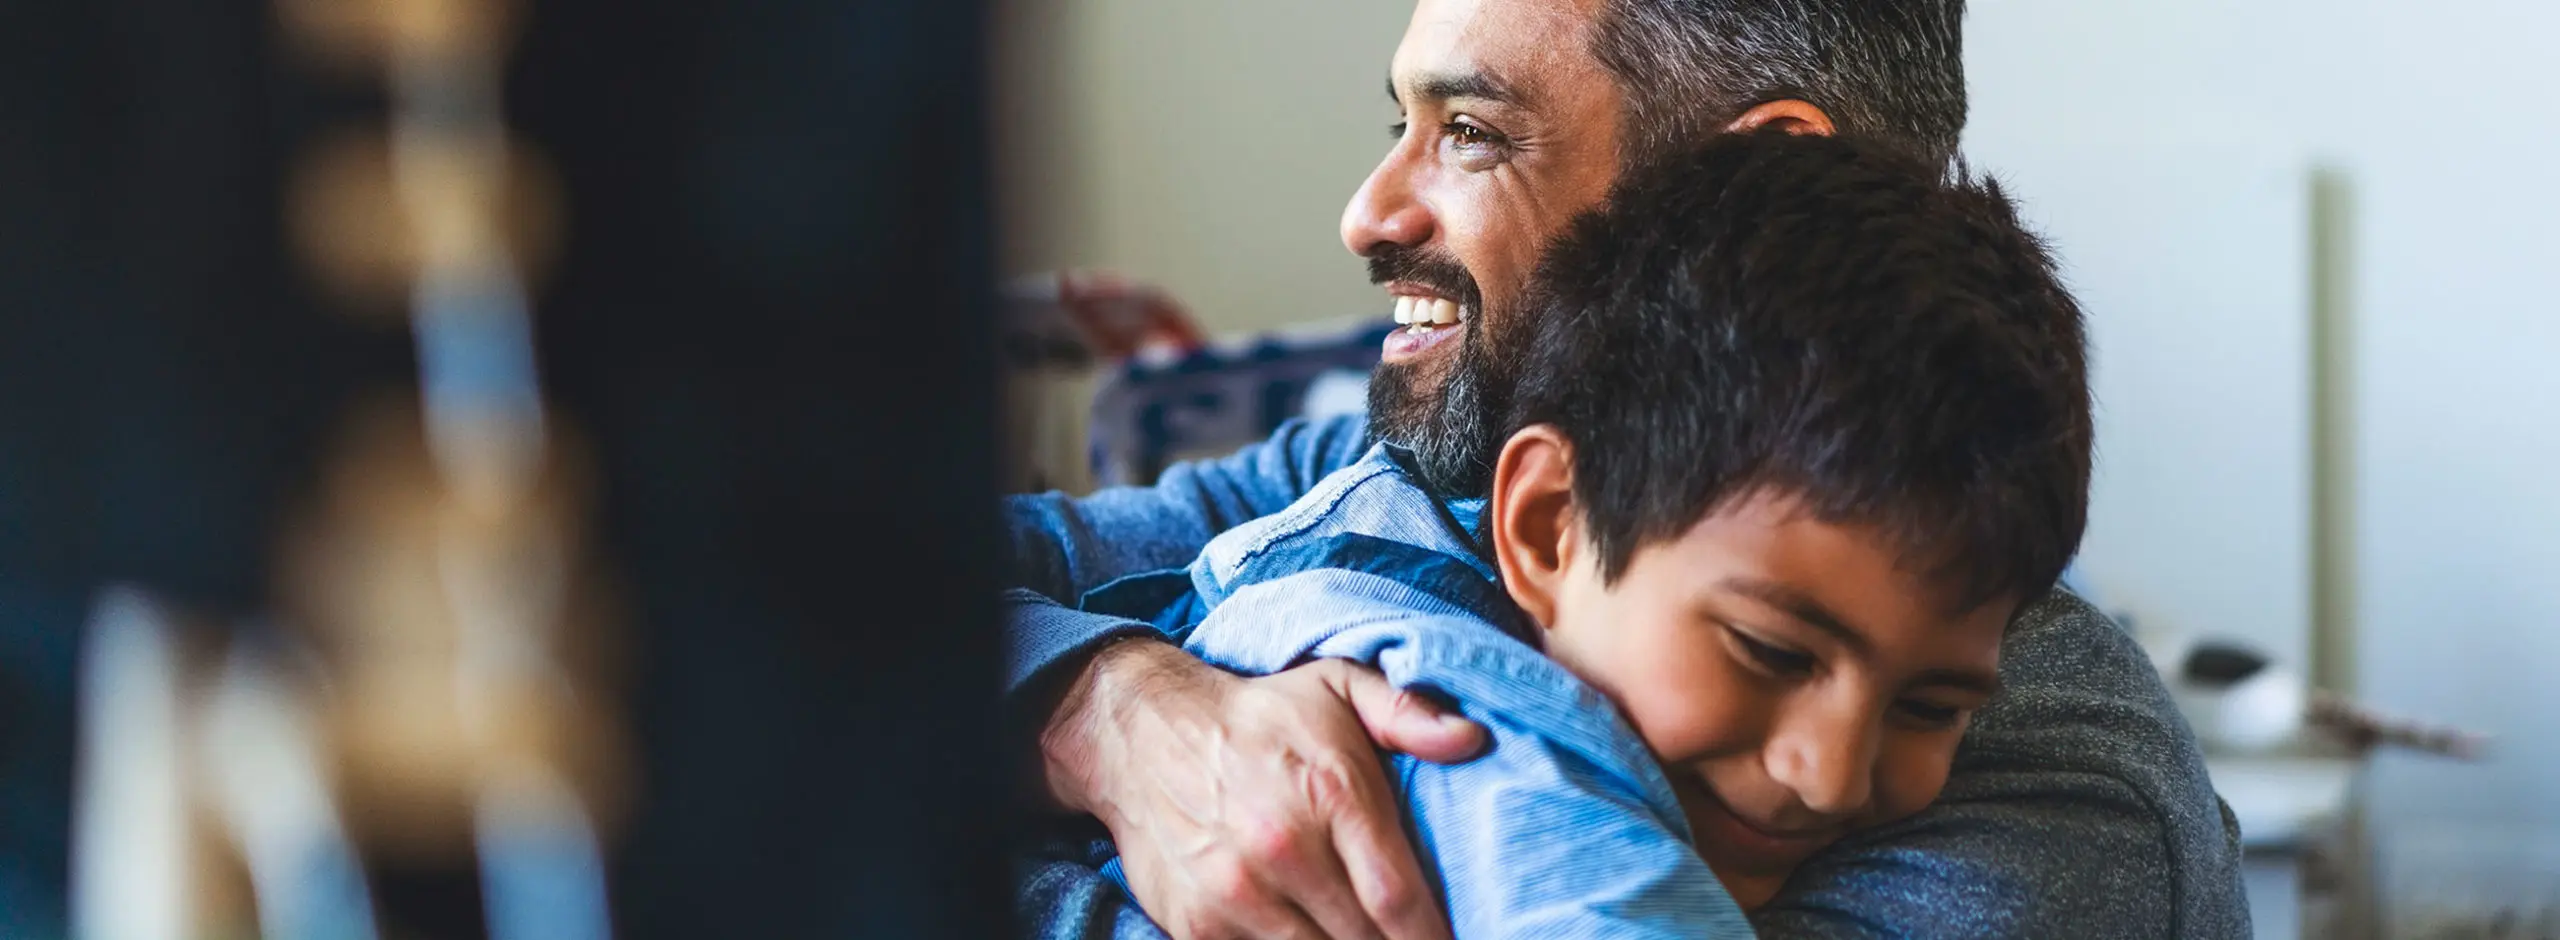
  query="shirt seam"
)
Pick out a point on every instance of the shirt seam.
point(1297, 519)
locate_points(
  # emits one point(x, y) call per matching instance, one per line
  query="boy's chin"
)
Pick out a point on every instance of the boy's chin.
point(1736, 848)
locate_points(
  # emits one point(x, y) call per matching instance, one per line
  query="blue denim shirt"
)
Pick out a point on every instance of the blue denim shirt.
point(2078, 805)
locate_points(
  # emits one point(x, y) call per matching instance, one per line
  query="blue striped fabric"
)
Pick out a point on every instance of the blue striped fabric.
point(1568, 828)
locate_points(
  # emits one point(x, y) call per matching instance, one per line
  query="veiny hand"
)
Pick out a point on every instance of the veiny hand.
point(1253, 807)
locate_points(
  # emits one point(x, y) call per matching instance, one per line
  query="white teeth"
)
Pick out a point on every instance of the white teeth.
point(1424, 313)
point(1419, 329)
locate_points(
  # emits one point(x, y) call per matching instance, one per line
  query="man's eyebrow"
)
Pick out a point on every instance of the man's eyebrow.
point(1446, 86)
point(1801, 606)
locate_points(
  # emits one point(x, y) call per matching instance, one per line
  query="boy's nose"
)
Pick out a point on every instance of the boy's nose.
point(1827, 762)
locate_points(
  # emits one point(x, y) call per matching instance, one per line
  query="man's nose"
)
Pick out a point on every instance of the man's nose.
point(1385, 211)
point(1827, 759)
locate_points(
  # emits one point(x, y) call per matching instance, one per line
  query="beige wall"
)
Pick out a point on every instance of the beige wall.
point(1205, 145)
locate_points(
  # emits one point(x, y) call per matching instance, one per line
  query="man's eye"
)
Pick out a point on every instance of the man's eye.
point(1469, 135)
point(1776, 659)
point(1927, 714)
point(1475, 148)
point(1396, 130)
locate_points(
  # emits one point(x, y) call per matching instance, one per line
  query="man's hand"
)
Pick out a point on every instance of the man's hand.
point(1252, 807)
point(1095, 314)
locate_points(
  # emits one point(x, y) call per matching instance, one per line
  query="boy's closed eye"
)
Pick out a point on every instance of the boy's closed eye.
point(1930, 715)
point(1778, 660)
point(1769, 656)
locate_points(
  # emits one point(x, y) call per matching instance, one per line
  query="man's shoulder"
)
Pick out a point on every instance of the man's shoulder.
point(2084, 717)
point(2062, 644)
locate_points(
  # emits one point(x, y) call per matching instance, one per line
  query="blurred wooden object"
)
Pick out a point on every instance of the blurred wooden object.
point(463, 641)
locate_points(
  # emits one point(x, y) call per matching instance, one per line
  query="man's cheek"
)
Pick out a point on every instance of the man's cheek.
point(1522, 219)
point(1497, 243)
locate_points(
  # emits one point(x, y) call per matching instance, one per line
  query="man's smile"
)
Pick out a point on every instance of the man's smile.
point(1428, 318)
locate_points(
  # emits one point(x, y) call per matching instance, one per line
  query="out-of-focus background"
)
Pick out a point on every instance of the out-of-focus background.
point(2317, 243)
point(449, 485)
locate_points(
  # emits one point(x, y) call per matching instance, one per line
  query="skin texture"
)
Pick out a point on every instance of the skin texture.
point(1508, 128)
point(1795, 682)
point(1258, 807)
point(1252, 807)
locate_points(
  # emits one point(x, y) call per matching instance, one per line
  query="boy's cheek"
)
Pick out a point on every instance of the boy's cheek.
point(1690, 704)
point(1914, 776)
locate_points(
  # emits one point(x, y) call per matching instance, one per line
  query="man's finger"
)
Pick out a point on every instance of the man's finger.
point(1378, 858)
point(1121, 315)
point(1300, 927)
point(1169, 322)
point(1324, 893)
point(1406, 723)
point(1282, 921)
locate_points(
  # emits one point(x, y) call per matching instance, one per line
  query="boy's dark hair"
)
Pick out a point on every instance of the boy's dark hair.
point(1887, 70)
point(1836, 320)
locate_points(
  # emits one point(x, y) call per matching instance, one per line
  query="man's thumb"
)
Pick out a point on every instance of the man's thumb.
point(1410, 723)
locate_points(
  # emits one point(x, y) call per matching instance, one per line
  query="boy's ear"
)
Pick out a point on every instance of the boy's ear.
point(1533, 521)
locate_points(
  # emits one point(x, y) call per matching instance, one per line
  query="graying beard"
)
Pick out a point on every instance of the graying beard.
point(1448, 441)
point(1450, 434)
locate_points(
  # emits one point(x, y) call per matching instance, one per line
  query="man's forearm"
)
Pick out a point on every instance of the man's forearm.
point(1047, 642)
point(1085, 695)
point(1226, 796)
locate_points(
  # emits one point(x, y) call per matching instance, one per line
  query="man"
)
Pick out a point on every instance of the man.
point(1256, 807)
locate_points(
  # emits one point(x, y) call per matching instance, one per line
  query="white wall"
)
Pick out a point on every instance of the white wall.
point(1205, 145)
point(2441, 122)
point(2193, 261)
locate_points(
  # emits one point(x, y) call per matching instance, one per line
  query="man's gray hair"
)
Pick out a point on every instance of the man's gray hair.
point(1887, 70)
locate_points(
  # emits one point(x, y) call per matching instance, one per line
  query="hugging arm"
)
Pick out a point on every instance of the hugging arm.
point(1243, 807)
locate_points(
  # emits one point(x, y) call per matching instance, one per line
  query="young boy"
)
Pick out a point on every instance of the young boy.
point(1795, 425)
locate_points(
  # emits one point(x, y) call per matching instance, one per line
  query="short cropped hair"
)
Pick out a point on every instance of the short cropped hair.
point(1831, 319)
point(1886, 70)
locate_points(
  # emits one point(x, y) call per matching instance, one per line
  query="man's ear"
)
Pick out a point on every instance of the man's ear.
point(1533, 520)
point(1793, 115)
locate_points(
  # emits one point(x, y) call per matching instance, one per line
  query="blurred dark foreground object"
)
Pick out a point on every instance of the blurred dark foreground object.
point(768, 312)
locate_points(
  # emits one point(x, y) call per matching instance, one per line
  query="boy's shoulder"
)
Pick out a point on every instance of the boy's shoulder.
point(1373, 504)
point(1370, 566)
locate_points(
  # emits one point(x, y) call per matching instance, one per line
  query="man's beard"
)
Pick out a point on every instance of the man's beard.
point(1451, 417)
